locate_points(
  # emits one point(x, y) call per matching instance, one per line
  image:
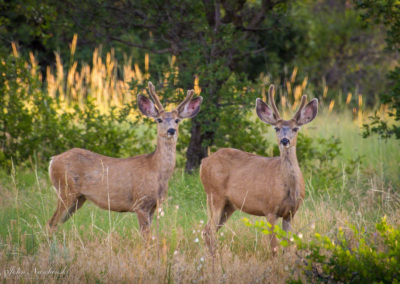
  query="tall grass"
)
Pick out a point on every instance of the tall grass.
point(108, 81)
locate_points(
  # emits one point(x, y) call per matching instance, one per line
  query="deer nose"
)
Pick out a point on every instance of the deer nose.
point(285, 141)
point(171, 131)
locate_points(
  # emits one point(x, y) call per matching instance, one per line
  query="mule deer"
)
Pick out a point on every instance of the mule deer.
point(135, 184)
point(261, 186)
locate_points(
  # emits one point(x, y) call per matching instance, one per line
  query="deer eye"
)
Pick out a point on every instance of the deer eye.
point(159, 120)
point(177, 121)
point(277, 129)
point(295, 129)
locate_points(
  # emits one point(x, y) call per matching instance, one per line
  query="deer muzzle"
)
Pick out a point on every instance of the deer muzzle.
point(171, 131)
point(285, 142)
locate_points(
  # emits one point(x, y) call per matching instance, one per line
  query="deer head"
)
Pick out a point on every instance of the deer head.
point(168, 122)
point(286, 130)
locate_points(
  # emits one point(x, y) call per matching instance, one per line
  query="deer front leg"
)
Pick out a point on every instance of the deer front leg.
point(144, 223)
point(286, 226)
point(145, 217)
point(273, 242)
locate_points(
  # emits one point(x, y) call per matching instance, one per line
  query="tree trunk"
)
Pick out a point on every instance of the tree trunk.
point(205, 124)
point(196, 151)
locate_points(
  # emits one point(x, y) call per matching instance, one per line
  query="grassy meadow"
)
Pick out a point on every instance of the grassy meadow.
point(100, 246)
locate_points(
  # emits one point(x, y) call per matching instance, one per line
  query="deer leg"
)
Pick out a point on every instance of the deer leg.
point(145, 212)
point(216, 207)
point(272, 239)
point(145, 218)
point(75, 207)
point(66, 205)
point(286, 224)
point(226, 213)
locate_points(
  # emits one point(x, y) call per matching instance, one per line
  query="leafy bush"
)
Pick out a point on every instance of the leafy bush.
point(24, 111)
point(356, 256)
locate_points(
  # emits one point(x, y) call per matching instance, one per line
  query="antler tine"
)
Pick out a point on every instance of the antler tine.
point(272, 102)
point(153, 95)
point(189, 96)
point(302, 104)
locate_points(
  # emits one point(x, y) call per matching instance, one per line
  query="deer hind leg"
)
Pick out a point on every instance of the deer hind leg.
point(67, 204)
point(225, 214)
point(75, 207)
point(216, 219)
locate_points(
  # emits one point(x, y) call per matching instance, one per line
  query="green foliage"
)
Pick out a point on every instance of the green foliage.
point(236, 127)
point(388, 13)
point(352, 256)
point(392, 99)
point(32, 126)
point(339, 48)
point(23, 111)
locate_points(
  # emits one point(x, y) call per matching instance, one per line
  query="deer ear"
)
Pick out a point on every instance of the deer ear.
point(265, 113)
point(308, 113)
point(191, 109)
point(147, 107)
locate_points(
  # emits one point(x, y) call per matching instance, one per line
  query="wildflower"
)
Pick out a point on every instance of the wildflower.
point(201, 222)
point(177, 207)
point(175, 252)
point(201, 259)
point(300, 235)
point(196, 240)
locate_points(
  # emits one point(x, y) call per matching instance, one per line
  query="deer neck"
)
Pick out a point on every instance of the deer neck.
point(289, 166)
point(164, 157)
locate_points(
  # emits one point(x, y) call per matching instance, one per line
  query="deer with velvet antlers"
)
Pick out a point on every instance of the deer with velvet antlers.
point(135, 184)
point(261, 186)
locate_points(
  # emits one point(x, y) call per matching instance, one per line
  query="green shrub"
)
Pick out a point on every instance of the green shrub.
point(354, 256)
